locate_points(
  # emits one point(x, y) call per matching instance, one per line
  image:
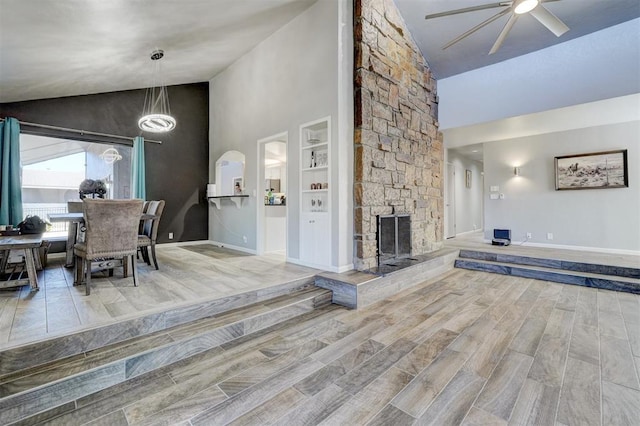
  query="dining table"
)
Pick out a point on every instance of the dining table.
point(74, 231)
point(15, 276)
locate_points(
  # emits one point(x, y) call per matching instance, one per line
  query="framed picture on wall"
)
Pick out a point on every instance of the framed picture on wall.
point(467, 178)
point(597, 170)
point(237, 186)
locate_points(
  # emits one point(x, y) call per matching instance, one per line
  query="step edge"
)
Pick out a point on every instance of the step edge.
point(615, 284)
point(317, 293)
point(562, 264)
point(62, 341)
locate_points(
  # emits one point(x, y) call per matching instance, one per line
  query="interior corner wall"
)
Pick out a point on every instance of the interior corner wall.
point(288, 79)
point(176, 170)
point(468, 201)
point(590, 218)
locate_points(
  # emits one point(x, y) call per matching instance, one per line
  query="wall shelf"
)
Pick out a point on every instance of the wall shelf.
point(237, 199)
point(315, 246)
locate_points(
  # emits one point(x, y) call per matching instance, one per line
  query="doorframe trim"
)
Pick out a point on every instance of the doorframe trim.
point(260, 209)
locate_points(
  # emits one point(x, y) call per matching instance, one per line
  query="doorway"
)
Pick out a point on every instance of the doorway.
point(450, 201)
point(272, 195)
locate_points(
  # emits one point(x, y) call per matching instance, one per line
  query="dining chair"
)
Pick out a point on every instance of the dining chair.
point(111, 236)
point(149, 234)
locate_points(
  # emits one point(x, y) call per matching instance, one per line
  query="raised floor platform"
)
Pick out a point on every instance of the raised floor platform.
point(355, 289)
point(608, 277)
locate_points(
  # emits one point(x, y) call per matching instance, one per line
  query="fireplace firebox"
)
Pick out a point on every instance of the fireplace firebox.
point(394, 237)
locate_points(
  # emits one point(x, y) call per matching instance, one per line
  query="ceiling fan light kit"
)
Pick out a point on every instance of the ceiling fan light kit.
point(524, 6)
point(515, 8)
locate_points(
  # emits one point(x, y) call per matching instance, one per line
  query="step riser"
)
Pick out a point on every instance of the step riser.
point(619, 271)
point(26, 356)
point(564, 278)
point(20, 406)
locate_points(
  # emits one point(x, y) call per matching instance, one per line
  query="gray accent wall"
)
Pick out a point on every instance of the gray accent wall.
point(177, 170)
point(590, 218)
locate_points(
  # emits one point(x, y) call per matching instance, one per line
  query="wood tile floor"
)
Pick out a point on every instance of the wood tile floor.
point(468, 348)
point(187, 274)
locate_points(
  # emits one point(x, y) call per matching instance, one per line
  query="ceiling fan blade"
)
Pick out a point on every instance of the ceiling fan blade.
point(469, 9)
point(476, 28)
point(549, 20)
point(503, 34)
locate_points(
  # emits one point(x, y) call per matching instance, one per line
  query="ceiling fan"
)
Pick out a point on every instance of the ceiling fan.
point(515, 8)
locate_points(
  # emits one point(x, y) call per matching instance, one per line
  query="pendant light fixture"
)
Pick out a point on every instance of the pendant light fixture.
point(156, 115)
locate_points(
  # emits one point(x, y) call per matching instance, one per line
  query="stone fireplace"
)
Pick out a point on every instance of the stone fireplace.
point(398, 149)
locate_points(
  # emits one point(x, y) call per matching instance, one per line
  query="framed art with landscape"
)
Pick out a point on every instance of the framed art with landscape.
point(597, 170)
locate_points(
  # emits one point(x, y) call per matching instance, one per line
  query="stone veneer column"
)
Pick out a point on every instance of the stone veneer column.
point(398, 150)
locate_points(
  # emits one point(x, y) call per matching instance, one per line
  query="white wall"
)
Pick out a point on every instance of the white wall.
point(468, 201)
point(601, 65)
point(291, 78)
point(597, 218)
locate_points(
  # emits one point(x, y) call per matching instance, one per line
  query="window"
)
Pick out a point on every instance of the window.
point(53, 168)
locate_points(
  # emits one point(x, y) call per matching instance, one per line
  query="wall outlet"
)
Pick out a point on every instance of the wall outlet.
point(244, 238)
point(528, 235)
point(501, 196)
point(549, 236)
point(171, 235)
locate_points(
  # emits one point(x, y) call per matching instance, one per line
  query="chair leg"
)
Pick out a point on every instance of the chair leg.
point(78, 271)
point(135, 270)
point(153, 254)
point(145, 256)
point(87, 265)
point(125, 266)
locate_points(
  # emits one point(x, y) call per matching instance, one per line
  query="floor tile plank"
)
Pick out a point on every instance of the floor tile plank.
point(501, 391)
point(620, 404)
point(580, 394)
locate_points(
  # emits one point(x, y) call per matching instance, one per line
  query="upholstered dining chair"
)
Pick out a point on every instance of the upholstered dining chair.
point(149, 233)
point(111, 237)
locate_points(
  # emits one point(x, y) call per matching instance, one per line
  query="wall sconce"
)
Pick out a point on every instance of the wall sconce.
point(516, 171)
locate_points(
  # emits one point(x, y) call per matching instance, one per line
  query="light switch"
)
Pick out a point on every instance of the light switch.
point(495, 188)
point(493, 196)
point(501, 196)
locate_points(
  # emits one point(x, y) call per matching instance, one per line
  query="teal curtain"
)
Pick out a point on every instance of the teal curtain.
point(138, 171)
point(10, 173)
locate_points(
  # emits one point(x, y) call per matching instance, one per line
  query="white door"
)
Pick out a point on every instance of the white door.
point(450, 201)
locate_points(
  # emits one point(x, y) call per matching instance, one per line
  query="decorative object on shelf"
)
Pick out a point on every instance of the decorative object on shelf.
point(237, 186)
point(325, 185)
point(313, 160)
point(597, 170)
point(156, 114)
point(110, 156)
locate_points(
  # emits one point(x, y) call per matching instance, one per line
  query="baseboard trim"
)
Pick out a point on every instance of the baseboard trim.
point(183, 243)
point(467, 233)
point(232, 247)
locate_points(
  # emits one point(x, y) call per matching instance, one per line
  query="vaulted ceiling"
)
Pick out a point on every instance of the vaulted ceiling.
point(72, 47)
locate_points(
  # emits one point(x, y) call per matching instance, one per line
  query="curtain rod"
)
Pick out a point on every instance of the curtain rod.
point(82, 132)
